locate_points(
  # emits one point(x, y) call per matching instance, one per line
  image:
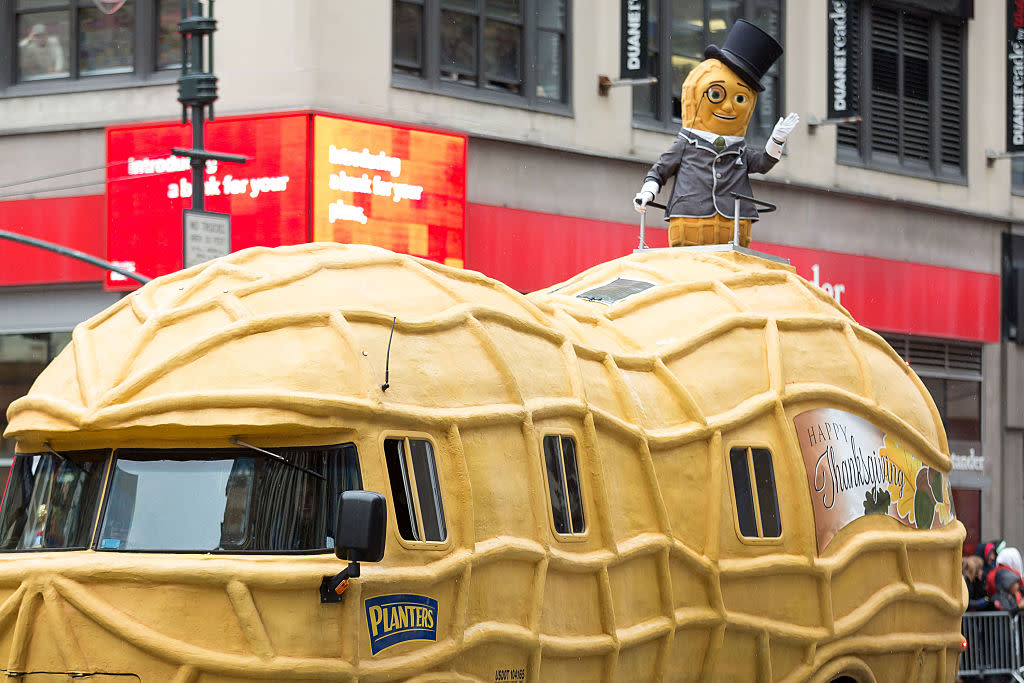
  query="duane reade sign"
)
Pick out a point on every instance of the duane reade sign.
point(633, 45)
point(1015, 75)
point(207, 236)
point(838, 56)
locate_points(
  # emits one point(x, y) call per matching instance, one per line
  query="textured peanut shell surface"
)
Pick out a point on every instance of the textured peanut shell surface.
point(291, 346)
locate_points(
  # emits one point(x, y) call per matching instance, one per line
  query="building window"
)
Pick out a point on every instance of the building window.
point(959, 404)
point(967, 503)
point(908, 86)
point(78, 40)
point(415, 489)
point(168, 40)
point(678, 32)
point(564, 484)
point(512, 51)
point(757, 505)
point(951, 371)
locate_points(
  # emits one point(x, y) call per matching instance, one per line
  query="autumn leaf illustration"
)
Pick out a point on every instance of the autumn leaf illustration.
point(876, 502)
point(944, 507)
point(924, 509)
point(905, 495)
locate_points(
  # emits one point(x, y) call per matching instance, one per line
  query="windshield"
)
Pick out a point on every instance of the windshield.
point(227, 500)
point(51, 501)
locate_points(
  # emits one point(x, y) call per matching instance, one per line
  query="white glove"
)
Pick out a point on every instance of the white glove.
point(779, 134)
point(645, 195)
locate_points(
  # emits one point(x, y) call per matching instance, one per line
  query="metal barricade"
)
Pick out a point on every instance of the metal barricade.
point(993, 644)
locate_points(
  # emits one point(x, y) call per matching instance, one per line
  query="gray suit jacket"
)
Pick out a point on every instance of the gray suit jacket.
point(705, 177)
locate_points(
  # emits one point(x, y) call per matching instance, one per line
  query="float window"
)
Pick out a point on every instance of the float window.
point(227, 500)
point(757, 503)
point(51, 500)
point(415, 489)
point(564, 484)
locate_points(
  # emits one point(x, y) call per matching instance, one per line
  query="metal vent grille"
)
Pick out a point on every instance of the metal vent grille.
point(616, 290)
point(937, 354)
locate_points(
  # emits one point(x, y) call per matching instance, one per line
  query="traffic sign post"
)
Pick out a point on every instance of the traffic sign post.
point(206, 236)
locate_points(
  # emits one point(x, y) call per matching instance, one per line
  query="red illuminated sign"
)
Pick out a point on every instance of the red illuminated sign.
point(897, 296)
point(393, 186)
point(148, 187)
point(398, 188)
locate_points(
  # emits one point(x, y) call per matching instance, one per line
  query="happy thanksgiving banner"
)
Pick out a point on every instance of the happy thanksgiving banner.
point(856, 469)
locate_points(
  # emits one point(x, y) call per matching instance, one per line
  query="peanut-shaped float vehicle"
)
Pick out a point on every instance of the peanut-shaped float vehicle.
point(333, 462)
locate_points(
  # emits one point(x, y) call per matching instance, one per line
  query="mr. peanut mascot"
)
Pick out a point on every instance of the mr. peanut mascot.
point(709, 158)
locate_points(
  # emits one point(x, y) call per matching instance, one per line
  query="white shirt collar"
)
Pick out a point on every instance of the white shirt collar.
point(711, 137)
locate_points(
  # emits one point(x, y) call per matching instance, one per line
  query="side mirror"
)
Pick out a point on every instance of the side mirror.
point(361, 527)
point(359, 533)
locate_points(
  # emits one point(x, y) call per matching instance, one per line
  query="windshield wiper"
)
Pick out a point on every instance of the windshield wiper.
point(63, 458)
point(279, 458)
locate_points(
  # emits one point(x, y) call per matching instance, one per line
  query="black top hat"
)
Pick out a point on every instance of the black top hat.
point(748, 51)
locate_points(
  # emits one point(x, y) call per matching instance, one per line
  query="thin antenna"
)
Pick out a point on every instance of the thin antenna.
point(387, 359)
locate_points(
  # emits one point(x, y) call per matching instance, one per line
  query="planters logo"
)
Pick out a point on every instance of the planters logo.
point(394, 619)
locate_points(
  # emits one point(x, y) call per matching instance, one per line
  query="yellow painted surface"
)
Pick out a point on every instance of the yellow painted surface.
point(287, 347)
point(716, 99)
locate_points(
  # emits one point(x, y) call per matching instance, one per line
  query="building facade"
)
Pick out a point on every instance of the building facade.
point(894, 194)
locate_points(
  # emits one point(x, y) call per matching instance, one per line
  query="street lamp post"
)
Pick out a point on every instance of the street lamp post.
point(197, 90)
point(197, 87)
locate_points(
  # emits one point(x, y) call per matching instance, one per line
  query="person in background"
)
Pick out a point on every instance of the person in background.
point(978, 599)
point(1008, 596)
point(40, 54)
point(1008, 559)
point(988, 552)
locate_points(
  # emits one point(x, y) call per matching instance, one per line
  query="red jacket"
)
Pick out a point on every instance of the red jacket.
point(990, 578)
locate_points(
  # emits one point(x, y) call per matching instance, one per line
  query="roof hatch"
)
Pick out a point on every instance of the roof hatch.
point(615, 291)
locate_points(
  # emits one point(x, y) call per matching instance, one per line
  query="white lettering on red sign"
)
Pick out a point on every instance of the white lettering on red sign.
point(374, 162)
point(340, 211)
point(230, 185)
point(167, 164)
point(126, 265)
point(833, 290)
point(363, 183)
